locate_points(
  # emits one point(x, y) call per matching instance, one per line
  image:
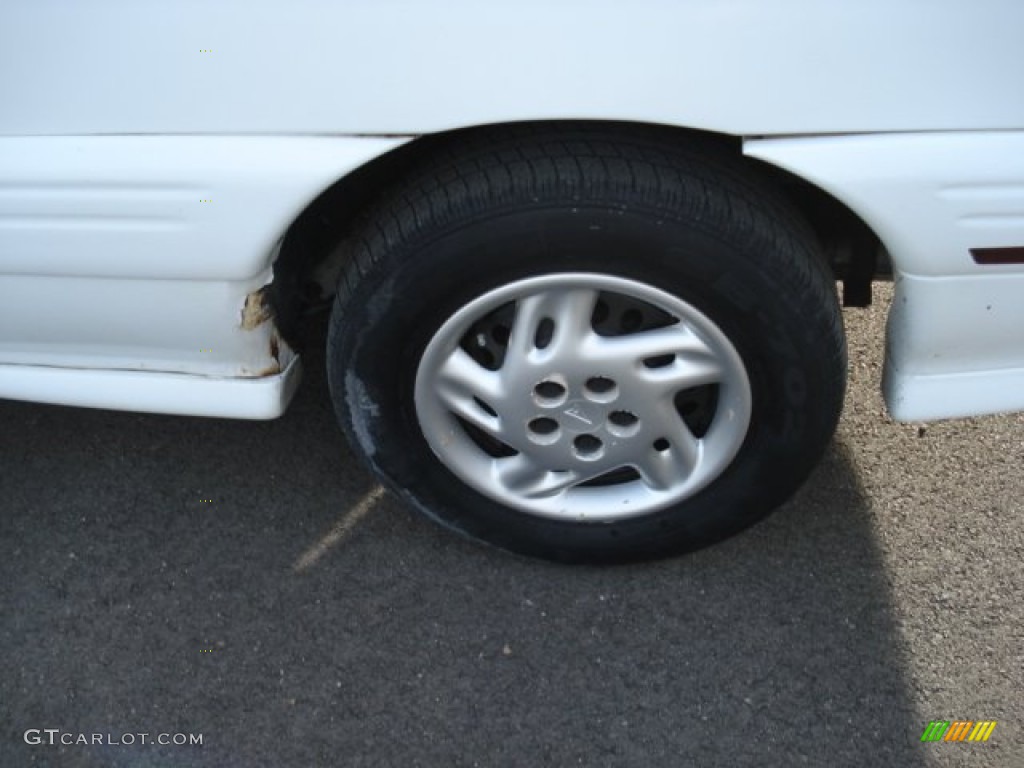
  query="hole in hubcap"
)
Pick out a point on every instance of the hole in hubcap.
point(588, 447)
point(623, 423)
point(550, 393)
point(622, 418)
point(489, 445)
point(617, 315)
point(543, 426)
point(697, 407)
point(545, 330)
point(615, 477)
point(659, 361)
point(543, 431)
point(485, 406)
point(600, 389)
point(661, 444)
point(487, 339)
point(631, 320)
point(500, 334)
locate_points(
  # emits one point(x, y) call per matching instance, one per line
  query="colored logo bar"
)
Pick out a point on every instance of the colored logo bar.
point(958, 730)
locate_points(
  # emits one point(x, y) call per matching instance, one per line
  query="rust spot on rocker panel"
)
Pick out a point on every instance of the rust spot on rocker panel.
point(275, 352)
point(256, 310)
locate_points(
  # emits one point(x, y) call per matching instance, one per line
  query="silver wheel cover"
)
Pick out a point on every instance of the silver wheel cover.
point(574, 422)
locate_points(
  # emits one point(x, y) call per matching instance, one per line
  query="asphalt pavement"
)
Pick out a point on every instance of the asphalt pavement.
point(249, 583)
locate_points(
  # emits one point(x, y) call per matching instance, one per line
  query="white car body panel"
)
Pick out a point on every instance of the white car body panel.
point(955, 343)
point(138, 253)
point(152, 155)
point(148, 392)
point(743, 67)
point(161, 208)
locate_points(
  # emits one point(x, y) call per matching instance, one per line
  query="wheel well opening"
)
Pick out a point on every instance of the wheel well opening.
point(304, 272)
point(307, 267)
point(850, 246)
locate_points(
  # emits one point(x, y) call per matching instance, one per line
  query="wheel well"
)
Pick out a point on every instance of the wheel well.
point(306, 270)
point(852, 249)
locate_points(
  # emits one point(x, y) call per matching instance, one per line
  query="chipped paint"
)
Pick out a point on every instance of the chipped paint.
point(270, 370)
point(281, 354)
point(256, 310)
point(278, 349)
point(258, 315)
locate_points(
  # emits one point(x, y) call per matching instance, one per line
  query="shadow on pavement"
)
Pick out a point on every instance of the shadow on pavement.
point(130, 604)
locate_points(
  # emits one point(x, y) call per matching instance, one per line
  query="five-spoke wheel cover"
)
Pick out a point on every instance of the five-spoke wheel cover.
point(574, 422)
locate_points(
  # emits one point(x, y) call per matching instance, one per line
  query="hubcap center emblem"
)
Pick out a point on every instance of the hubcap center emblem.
point(581, 416)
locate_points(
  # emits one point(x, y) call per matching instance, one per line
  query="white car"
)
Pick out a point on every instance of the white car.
point(583, 255)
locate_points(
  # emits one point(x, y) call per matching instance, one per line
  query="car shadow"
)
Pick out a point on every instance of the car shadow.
point(246, 582)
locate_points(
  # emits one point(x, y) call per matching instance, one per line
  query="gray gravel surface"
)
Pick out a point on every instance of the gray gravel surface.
point(301, 618)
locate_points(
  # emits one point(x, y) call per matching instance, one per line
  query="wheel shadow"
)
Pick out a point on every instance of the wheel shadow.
point(130, 604)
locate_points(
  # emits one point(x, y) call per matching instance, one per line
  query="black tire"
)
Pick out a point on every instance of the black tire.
point(675, 212)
